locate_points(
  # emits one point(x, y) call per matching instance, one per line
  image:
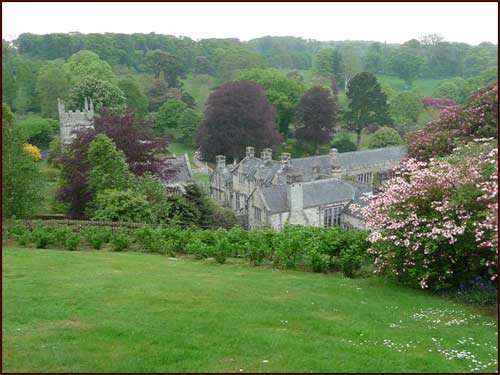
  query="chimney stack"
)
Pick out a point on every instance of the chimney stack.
point(266, 154)
point(336, 169)
point(221, 161)
point(296, 198)
point(250, 151)
point(284, 158)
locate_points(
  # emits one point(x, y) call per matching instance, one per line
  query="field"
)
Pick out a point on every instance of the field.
point(130, 312)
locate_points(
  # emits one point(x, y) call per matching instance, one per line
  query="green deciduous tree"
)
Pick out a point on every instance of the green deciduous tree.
point(476, 61)
point(160, 61)
point(51, 84)
point(350, 63)
point(21, 190)
point(456, 88)
point(102, 93)
point(157, 94)
point(107, 166)
point(39, 131)
point(188, 125)
point(121, 205)
point(135, 98)
point(169, 115)
point(230, 61)
point(406, 63)
point(84, 64)
point(373, 58)
point(405, 109)
point(367, 104)
point(385, 137)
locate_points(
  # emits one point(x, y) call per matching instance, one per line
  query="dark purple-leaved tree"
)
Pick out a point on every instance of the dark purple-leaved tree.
point(315, 116)
point(237, 114)
point(134, 137)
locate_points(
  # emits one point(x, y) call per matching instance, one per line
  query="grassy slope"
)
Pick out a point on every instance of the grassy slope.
point(130, 312)
point(48, 184)
point(424, 86)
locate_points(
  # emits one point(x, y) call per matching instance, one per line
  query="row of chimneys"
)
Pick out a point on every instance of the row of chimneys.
point(267, 153)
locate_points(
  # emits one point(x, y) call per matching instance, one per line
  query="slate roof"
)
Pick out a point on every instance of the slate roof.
point(353, 159)
point(183, 172)
point(360, 201)
point(258, 168)
point(375, 156)
point(315, 193)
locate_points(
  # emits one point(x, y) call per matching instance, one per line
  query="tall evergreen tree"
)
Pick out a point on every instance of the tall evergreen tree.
point(368, 104)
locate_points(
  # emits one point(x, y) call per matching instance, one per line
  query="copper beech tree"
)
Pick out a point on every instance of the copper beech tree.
point(237, 114)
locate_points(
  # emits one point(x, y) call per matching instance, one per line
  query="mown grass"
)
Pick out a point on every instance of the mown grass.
point(424, 86)
point(48, 187)
point(131, 312)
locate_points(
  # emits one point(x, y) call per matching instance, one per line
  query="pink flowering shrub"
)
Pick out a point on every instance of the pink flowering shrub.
point(438, 103)
point(457, 125)
point(435, 224)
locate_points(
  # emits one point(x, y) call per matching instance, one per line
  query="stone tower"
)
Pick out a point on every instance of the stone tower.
point(70, 122)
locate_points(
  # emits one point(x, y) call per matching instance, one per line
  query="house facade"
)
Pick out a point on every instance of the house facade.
point(313, 191)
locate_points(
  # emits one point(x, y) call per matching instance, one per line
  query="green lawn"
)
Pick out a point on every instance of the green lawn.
point(48, 185)
point(182, 148)
point(424, 86)
point(131, 312)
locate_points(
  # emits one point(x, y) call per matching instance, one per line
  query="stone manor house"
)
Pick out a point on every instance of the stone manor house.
point(315, 190)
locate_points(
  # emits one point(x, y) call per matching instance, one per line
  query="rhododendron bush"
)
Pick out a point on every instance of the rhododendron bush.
point(435, 223)
point(457, 125)
point(439, 103)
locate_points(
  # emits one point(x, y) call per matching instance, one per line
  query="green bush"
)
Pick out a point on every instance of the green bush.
point(96, 237)
point(350, 261)
point(289, 247)
point(385, 137)
point(318, 261)
point(42, 237)
point(259, 246)
point(344, 145)
point(223, 248)
point(72, 241)
point(17, 229)
point(197, 247)
point(238, 238)
point(19, 233)
point(120, 240)
point(23, 239)
point(60, 234)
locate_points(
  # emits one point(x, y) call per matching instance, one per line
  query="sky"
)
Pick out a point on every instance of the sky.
point(470, 23)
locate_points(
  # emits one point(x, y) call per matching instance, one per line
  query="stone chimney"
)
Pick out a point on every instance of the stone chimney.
point(315, 171)
point(250, 152)
point(336, 170)
point(266, 154)
point(284, 158)
point(221, 161)
point(334, 155)
point(296, 199)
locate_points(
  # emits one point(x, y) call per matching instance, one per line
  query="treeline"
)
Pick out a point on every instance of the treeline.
point(439, 58)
